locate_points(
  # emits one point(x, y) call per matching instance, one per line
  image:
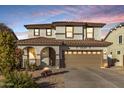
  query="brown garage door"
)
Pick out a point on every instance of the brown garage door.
point(83, 58)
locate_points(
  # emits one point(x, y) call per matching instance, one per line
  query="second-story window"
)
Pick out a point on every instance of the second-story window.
point(69, 32)
point(49, 32)
point(118, 52)
point(36, 32)
point(120, 39)
point(90, 33)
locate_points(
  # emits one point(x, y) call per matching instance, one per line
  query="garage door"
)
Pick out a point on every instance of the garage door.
point(83, 58)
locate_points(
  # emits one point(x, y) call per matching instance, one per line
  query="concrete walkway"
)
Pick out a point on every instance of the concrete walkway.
point(88, 77)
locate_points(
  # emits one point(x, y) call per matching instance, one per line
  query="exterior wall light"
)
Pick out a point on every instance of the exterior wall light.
point(120, 25)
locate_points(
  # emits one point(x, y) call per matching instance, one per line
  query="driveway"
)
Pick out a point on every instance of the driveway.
point(89, 77)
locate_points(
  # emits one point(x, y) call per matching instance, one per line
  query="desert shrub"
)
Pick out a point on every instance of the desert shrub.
point(17, 79)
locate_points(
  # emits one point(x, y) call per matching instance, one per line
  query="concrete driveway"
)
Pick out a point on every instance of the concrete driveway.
point(88, 77)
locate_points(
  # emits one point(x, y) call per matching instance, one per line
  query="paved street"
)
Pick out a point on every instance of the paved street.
point(88, 77)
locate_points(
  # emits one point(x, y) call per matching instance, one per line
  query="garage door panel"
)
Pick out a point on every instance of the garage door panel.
point(81, 60)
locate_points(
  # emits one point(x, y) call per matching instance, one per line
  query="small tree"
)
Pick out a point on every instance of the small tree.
point(7, 49)
point(9, 56)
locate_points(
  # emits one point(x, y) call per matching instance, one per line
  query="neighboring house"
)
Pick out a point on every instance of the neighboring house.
point(64, 44)
point(116, 35)
point(3, 27)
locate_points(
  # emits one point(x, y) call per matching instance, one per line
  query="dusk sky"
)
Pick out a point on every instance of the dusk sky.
point(18, 16)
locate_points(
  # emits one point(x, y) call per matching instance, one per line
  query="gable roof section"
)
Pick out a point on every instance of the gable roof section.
point(114, 28)
point(107, 35)
point(54, 42)
point(63, 23)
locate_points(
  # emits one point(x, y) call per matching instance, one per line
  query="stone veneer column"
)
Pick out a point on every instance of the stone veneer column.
point(57, 61)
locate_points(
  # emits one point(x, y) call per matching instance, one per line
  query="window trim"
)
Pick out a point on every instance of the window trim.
point(50, 32)
point(38, 32)
point(119, 39)
point(92, 34)
point(119, 52)
point(66, 31)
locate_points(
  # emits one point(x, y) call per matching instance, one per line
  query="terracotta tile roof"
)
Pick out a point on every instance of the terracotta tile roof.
point(39, 41)
point(62, 23)
point(53, 41)
point(39, 26)
point(87, 43)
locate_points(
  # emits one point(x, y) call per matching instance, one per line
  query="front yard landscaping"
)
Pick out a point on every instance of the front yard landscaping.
point(56, 80)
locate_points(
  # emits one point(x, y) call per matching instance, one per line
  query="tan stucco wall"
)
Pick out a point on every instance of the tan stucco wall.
point(61, 29)
point(78, 29)
point(113, 37)
point(97, 33)
point(42, 33)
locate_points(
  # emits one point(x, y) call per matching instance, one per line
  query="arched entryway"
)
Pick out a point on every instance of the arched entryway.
point(30, 55)
point(48, 55)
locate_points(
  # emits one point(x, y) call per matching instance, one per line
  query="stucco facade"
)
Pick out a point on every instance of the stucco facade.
point(59, 33)
point(115, 47)
point(42, 33)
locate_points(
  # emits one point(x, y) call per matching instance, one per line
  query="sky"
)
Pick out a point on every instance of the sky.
point(16, 16)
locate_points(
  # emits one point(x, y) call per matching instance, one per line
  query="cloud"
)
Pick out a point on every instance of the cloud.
point(96, 13)
point(53, 12)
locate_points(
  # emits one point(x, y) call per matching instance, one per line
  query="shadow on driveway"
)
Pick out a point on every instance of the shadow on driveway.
point(53, 74)
point(46, 85)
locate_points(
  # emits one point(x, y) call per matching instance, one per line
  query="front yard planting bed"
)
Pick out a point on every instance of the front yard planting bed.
point(56, 80)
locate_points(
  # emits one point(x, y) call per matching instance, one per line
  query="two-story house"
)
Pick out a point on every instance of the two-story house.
point(64, 44)
point(116, 35)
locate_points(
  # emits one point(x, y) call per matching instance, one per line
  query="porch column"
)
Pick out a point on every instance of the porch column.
point(25, 57)
point(38, 55)
point(57, 57)
point(38, 59)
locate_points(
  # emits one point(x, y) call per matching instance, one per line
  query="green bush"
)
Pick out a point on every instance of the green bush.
point(18, 79)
